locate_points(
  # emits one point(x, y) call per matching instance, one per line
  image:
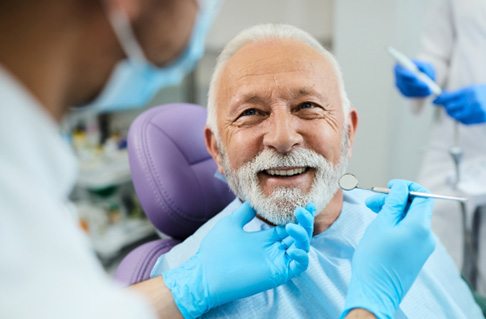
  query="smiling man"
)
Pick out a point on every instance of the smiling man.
point(280, 128)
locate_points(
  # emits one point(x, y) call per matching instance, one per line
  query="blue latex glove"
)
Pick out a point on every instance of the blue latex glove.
point(408, 84)
point(467, 105)
point(232, 263)
point(392, 251)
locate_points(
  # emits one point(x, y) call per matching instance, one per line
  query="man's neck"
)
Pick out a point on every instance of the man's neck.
point(328, 215)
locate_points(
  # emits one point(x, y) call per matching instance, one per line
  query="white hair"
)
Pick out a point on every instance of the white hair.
point(264, 32)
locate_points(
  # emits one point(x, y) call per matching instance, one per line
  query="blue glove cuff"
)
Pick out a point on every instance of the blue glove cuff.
point(360, 297)
point(186, 283)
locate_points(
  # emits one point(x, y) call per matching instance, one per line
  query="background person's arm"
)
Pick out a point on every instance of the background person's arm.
point(437, 42)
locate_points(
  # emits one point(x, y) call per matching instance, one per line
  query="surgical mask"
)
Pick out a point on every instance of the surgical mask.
point(135, 80)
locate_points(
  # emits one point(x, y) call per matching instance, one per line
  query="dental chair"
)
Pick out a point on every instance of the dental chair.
point(173, 176)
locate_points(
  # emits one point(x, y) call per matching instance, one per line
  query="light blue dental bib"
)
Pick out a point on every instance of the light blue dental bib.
point(320, 291)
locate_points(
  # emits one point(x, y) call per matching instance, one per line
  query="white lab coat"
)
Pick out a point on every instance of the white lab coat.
point(47, 269)
point(454, 41)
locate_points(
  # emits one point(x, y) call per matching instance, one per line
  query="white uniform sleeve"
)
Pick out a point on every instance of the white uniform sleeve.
point(437, 41)
point(438, 37)
point(48, 269)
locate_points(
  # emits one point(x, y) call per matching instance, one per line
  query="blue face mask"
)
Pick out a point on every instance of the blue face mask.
point(135, 81)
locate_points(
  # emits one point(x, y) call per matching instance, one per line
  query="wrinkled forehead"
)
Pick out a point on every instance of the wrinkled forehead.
point(284, 64)
point(272, 55)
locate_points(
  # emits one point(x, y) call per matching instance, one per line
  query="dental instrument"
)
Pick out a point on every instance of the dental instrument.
point(408, 64)
point(349, 182)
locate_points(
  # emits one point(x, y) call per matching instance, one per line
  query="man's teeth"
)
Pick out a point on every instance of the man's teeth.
point(285, 172)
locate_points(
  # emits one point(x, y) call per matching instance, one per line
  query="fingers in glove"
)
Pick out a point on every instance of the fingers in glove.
point(446, 98)
point(376, 202)
point(305, 218)
point(287, 242)
point(299, 261)
point(244, 214)
point(420, 210)
point(271, 235)
point(300, 236)
point(396, 202)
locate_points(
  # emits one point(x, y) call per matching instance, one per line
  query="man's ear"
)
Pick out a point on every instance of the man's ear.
point(352, 127)
point(212, 147)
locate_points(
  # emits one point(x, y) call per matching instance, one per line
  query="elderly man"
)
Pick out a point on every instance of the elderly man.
point(280, 128)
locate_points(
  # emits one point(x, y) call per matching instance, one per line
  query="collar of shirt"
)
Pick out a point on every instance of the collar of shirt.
point(32, 144)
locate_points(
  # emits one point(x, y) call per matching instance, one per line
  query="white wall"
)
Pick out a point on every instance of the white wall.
point(389, 138)
point(314, 16)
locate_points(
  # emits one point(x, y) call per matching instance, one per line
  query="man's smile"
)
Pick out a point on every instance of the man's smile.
point(300, 177)
point(285, 171)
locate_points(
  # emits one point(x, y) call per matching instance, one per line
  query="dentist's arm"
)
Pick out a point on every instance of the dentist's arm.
point(159, 297)
point(232, 264)
point(391, 253)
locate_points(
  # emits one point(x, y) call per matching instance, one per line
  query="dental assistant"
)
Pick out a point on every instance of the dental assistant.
point(58, 54)
point(453, 46)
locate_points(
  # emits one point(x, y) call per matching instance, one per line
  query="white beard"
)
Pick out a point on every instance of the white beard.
point(278, 208)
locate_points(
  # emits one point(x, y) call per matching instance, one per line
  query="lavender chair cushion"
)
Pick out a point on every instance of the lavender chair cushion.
point(172, 172)
point(173, 176)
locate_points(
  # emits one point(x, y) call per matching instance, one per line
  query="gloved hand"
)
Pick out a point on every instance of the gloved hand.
point(409, 85)
point(232, 263)
point(467, 105)
point(392, 251)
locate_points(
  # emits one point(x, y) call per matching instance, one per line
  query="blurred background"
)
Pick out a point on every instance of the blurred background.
point(390, 139)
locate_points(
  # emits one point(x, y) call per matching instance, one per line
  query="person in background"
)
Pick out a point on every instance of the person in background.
point(453, 46)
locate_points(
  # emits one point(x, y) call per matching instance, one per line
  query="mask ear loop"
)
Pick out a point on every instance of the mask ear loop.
point(125, 35)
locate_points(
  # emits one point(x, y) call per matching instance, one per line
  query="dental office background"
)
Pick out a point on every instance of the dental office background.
point(390, 139)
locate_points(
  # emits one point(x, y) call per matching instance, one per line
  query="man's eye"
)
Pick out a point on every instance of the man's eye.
point(249, 112)
point(250, 116)
point(306, 105)
point(309, 110)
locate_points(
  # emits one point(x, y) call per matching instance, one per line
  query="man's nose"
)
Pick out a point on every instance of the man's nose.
point(283, 132)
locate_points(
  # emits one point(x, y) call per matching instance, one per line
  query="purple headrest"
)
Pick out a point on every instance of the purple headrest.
point(172, 172)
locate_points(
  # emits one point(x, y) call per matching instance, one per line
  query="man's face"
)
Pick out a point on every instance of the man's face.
point(280, 120)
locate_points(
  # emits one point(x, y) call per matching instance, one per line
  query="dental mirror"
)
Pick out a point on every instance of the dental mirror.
point(349, 182)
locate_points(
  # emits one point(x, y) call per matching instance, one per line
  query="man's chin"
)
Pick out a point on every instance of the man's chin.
point(277, 211)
